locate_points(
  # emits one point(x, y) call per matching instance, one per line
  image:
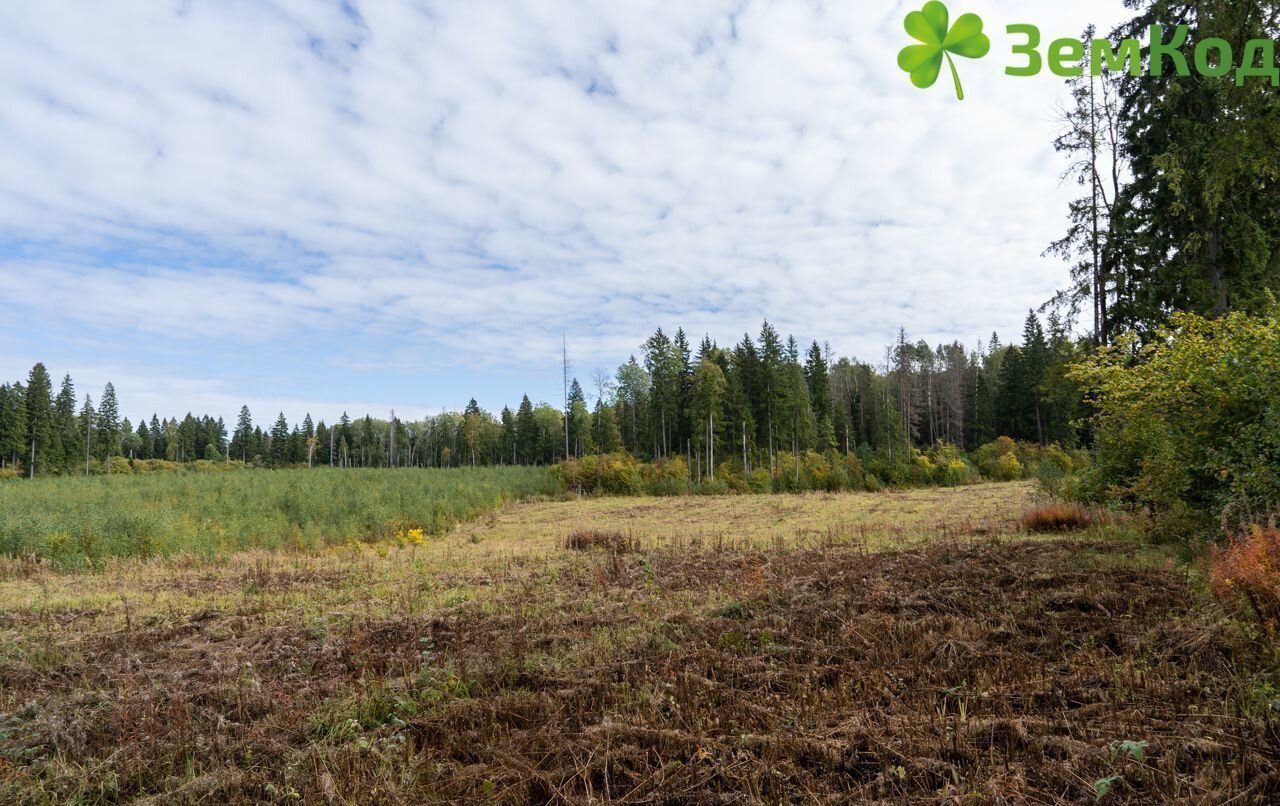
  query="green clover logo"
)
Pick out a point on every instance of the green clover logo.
point(929, 26)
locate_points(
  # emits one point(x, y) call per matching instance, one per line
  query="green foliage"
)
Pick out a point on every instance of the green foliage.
point(1189, 425)
point(608, 474)
point(1104, 786)
point(1198, 224)
point(1003, 459)
point(943, 466)
point(811, 471)
point(78, 522)
point(1136, 750)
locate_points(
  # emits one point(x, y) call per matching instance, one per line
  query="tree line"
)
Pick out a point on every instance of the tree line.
point(745, 403)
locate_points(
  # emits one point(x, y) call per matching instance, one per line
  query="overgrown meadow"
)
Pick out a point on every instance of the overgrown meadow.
point(77, 522)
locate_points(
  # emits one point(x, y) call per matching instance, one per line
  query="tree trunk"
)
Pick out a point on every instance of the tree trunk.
point(1216, 279)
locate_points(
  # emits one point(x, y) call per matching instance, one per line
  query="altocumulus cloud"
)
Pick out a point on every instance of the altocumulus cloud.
point(432, 192)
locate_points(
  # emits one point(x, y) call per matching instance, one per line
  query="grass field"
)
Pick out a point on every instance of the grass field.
point(900, 647)
point(76, 522)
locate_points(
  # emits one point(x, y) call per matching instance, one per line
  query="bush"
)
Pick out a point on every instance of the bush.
point(1189, 424)
point(668, 476)
point(760, 481)
point(713, 486)
point(998, 460)
point(1061, 518)
point(943, 465)
point(1247, 572)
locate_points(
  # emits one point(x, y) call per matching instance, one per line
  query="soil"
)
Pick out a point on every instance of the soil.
point(973, 671)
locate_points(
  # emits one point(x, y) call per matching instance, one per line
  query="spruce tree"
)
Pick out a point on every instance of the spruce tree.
point(818, 379)
point(43, 450)
point(526, 432)
point(507, 441)
point(108, 424)
point(87, 417)
point(68, 429)
point(145, 443)
point(280, 442)
point(242, 437)
point(156, 435)
point(13, 424)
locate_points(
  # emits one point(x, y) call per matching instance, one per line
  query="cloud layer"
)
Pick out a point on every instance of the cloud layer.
point(411, 201)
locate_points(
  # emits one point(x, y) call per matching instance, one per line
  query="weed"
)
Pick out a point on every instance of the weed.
point(1061, 518)
point(1248, 571)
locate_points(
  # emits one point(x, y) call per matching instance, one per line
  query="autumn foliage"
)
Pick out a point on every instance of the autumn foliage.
point(1248, 571)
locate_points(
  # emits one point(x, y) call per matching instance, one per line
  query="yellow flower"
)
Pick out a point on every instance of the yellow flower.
point(416, 536)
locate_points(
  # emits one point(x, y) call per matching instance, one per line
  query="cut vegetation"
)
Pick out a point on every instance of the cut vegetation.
point(707, 663)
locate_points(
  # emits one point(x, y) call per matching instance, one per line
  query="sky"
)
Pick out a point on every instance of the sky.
point(317, 206)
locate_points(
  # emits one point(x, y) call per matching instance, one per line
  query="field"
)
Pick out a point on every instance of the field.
point(77, 522)
point(892, 647)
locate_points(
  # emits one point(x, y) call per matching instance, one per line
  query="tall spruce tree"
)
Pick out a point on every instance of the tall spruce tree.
point(42, 446)
point(68, 429)
point(526, 432)
point(108, 425)
point(280, 442)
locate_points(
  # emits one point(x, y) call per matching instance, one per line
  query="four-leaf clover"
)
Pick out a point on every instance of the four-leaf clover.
point(929, 26)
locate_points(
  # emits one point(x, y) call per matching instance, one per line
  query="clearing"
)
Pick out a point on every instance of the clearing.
point(895, 647)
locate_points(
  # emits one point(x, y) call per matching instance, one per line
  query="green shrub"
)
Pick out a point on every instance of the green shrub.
point(668, 476)
point(1188, 425)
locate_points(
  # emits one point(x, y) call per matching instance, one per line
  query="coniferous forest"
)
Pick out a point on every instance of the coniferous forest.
point(749, 401)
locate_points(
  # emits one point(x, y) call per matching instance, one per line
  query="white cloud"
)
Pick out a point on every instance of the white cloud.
point(457, 183)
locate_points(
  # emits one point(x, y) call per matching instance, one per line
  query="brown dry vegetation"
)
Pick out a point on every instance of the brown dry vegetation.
point(968, 669)
point(1062, 517)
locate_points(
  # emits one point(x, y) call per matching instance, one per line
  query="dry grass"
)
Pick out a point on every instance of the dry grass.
point(588, 539)
point(785, 663)
point(881, 520)
point(1060, 517)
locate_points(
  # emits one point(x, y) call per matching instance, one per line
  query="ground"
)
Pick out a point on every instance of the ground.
point(893, 647)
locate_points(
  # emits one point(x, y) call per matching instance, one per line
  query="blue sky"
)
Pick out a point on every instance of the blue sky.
point(318, 206)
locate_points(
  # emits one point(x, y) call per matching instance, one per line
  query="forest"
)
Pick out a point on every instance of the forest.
point(751, 401)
